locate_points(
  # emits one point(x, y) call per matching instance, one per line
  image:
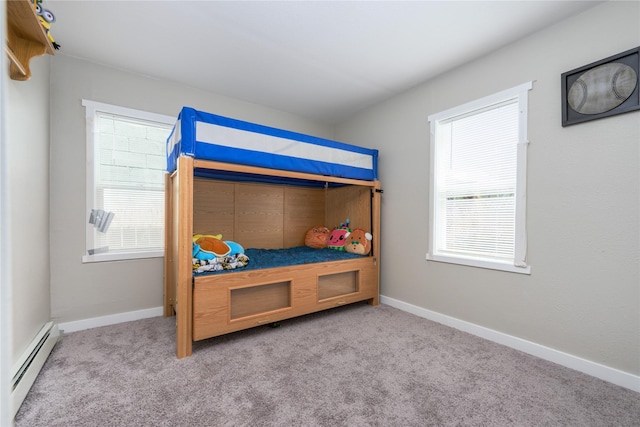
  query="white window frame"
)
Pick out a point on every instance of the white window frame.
point(519, 264)
point(91, 108)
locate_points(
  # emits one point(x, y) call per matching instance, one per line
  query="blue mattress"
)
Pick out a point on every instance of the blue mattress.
point(208, 136)
point(270, 258)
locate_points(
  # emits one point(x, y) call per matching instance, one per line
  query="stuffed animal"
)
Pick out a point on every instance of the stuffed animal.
point(337, 236)
point(317, 237)
point(236, 248)
point(358, 242)
point(199, 254)
point(211, 246)
point(46, 18)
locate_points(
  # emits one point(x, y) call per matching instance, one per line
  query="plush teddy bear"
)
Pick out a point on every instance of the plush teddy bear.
point(358, 242)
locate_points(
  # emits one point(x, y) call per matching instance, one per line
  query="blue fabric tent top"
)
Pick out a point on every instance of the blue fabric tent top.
point(208, 136)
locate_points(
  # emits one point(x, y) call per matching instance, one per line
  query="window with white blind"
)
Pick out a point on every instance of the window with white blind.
point(478, 183)
point(126, 163)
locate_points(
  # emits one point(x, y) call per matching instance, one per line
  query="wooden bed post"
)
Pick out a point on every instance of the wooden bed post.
point(375, 227)
point(182, 213)
point(169, 256)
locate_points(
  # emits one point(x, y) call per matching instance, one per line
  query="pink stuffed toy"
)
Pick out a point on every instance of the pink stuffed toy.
point(338, 236)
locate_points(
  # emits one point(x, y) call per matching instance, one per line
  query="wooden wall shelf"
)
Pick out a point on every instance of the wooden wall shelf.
point(26, 38)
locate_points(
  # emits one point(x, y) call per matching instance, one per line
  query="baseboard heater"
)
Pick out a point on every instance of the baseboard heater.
point(29, 365)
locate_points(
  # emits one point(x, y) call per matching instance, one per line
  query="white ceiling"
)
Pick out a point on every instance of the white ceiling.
point(323, 60)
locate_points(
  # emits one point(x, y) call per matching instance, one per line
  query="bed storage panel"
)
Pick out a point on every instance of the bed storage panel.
point(267, 211)
point(231, 302)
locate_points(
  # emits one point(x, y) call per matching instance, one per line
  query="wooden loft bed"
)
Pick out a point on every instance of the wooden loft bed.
point(260, 207)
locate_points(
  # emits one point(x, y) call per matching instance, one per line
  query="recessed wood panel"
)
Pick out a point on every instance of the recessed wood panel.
point(253, 300)
point(303, 208)
point(353, 202)
point(259, 215)
point(334, 285)
point(213, 208)
point(274, 216)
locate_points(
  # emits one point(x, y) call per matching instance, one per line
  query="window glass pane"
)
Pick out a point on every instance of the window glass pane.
point(138, 223)
point(479, 171)
point(129, 164)
point(476, 176)
point(130, 153)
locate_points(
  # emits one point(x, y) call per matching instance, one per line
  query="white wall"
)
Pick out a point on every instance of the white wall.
point(5, 289)
point(82, 291)
point(27, 203)
point(582, 296)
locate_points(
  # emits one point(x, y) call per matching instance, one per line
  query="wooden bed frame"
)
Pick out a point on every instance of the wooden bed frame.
point(261, 215)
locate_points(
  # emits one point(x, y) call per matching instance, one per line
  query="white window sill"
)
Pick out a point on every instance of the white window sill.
point(492, 265)
point(121, 256)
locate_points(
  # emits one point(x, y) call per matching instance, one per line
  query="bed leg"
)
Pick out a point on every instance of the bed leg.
point(184, 344)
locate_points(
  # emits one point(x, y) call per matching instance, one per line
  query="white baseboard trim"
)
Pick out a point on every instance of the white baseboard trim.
point(612, 375)
point(30, 364)
point(112, 319)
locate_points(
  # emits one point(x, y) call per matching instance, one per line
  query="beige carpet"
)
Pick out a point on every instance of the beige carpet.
point(353, 366)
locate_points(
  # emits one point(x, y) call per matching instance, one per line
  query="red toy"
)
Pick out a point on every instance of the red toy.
point(338, 236)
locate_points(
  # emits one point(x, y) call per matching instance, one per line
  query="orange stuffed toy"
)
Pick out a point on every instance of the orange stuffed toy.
point(212, 244)
point(317, 237)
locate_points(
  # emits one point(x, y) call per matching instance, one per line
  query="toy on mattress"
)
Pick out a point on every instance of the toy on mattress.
point(210, 253)
point(342, 238)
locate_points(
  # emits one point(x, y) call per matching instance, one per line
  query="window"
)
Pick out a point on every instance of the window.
point(126, 163)
point(478, 181)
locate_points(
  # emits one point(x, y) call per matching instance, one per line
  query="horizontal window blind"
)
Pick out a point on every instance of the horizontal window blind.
point(126, 168)
point(476, 183)
point(129, 181)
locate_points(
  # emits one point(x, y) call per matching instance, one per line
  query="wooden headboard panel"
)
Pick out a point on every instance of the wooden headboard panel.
point(274, 216)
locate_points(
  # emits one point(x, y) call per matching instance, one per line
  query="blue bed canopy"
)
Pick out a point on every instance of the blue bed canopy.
point(207, 136)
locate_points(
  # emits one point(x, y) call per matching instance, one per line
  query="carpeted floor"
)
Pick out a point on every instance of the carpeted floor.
point(352, 366)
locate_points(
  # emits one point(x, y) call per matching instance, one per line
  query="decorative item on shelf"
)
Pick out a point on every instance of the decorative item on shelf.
point(26, 37)
point(46, 18)
point(601, 89)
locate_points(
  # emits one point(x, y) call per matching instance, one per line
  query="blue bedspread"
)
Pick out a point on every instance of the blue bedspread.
point(269, 258)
